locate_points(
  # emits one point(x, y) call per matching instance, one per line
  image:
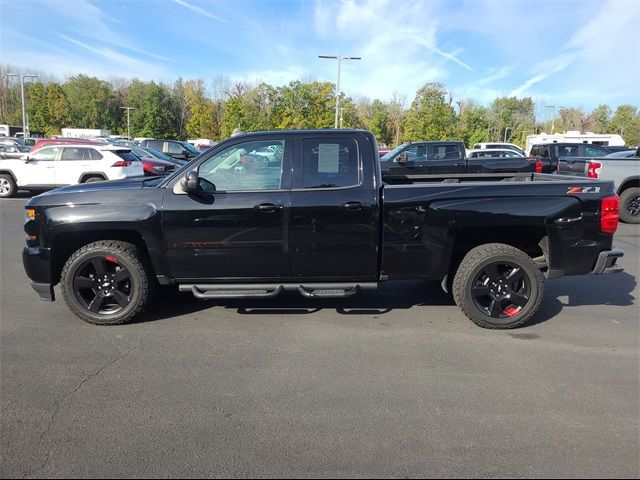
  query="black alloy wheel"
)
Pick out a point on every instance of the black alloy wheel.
point(102, 285)
point(633, 206)
point(501, 290)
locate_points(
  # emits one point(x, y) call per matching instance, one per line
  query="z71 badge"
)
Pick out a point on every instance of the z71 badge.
point(584, 190)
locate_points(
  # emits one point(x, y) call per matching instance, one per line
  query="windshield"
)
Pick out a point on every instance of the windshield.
point(392, 154)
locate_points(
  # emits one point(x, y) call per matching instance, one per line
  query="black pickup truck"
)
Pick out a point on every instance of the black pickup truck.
point(549, 153)
point(438, 157)
point(308, 211)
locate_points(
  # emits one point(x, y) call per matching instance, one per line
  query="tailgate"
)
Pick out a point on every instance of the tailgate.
point(576, 166)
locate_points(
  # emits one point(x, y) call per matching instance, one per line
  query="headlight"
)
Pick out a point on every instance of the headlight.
point(29, 214)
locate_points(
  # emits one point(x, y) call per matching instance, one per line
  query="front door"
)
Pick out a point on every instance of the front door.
point(237, 228)
point(39, 170)
point(334, 209)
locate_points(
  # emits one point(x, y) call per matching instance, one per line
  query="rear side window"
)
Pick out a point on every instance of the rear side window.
point(73, 153)
point(569, 151)
point(544, 152)
point(330, 163)
point(174, 147)
point(155, 144)
point(93, 154)
point(445, 152)
point(591, 151)
point(127, 155)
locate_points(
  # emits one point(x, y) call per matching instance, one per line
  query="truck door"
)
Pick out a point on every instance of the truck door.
point(237, 229)
point(446, 158)
point(333, 232)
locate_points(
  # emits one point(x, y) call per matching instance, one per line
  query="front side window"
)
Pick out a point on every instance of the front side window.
point(244, 166)
point(569, 151)
point(46, 154)
point(330, 163)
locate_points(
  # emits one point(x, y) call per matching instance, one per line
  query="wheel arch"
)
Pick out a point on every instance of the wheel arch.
point(630, 182)
point(87, 175)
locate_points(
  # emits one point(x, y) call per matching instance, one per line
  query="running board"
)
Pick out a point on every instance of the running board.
point(269, 290)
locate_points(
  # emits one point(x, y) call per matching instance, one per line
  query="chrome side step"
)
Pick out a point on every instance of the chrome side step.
point(269, 290)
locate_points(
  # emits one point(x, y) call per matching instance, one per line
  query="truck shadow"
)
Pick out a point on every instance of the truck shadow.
point(401, 295)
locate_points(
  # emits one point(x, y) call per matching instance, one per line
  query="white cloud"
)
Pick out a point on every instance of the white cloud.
point(199, 10)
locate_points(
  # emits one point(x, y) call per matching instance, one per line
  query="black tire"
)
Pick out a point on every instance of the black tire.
point(8, 187)
point(123, 297)
point(498, 286)
point(93, 179)
point(630, 205)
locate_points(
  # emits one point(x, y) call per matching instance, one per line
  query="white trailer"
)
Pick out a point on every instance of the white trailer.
point(85, 133)
point(574, 136)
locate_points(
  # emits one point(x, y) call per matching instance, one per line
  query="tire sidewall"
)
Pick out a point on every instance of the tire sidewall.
point(535, 282)
point(12, 186)
point(625, 198)
point(102, 319)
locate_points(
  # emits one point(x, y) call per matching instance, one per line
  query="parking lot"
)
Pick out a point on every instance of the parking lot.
point(393, 383)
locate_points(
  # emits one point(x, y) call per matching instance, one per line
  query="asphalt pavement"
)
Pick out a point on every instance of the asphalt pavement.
point(393, 383)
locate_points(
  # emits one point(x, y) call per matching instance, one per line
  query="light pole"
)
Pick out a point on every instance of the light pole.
point(339, 58)
point(553, 119)
point(128, 109)
point(24, 112)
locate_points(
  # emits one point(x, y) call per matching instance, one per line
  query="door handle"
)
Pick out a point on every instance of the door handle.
point(458, 164)
point(267, 207)
point(354, 206)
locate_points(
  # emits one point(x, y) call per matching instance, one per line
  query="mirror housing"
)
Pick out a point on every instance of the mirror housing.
point(190, 183)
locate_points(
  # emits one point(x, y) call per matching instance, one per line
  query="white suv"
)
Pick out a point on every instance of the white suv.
point(59, 165)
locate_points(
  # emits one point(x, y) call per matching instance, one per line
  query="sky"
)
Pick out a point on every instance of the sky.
point(561, 52)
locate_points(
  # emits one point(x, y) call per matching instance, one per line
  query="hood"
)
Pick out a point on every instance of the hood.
point(95, 187)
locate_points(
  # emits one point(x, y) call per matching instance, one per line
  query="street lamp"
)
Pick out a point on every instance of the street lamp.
point(128, 109)
point(339, 58)
point(24, 113)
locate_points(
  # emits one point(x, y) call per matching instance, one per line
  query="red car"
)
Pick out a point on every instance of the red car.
point(155, 166)
point(43, 142)
point(383, 151)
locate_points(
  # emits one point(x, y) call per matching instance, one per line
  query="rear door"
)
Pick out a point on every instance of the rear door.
point(446, 158)
point(73, 162)
point(333, 233)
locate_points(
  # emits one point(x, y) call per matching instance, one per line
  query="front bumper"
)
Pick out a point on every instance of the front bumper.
point(606, 262)
point(37, 265)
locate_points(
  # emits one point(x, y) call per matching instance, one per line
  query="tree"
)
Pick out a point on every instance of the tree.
point(601, 118)
point(92, 103)
point(201, 120)
point(397, 114)
point(305, 105)
point(379, 124)
point(473, 123)
point(511, 119)
point(626, 122)
point(430, 116)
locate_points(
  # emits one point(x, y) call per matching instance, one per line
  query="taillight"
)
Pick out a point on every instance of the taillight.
point(593, 169)
point(122, 163)
point(538, 166)
point(609, 207)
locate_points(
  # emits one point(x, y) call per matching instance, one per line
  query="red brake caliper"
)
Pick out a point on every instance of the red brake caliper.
point(511, 311)
point(111, 259)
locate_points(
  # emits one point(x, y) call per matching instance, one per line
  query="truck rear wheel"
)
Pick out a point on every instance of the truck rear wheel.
point(498, 286)
point(107, 282)
point(630, 205)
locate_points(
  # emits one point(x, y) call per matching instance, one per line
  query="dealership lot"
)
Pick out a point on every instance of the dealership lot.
point(391, 383)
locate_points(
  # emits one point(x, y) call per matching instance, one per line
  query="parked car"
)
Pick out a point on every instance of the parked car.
point(502, 146)
point(174, 148)
point(618, 148)
point(549, 153)
point(494, 153)
point(59, 165)
point(622, 154)
point(148, 153)
point(11, 141)
point(382, 151)
point(30, 141)
point(623, 170)
point(325, 226)
point(12, 151)
point(43, 142)
point(426, 158)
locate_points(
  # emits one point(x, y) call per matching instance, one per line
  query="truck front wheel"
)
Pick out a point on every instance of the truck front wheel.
point(107, 282)
point(498, 286)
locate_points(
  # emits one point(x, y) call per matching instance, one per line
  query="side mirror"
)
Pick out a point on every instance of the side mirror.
point(190, 183)
point(26, 158)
